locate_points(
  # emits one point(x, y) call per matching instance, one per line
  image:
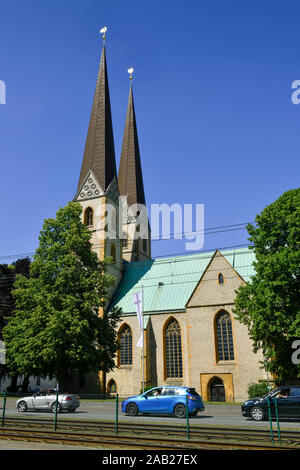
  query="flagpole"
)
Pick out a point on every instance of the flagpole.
point(138, 300)
point(143, 339)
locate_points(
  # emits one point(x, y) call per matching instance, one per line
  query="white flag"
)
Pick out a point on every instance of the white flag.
point(138, 301)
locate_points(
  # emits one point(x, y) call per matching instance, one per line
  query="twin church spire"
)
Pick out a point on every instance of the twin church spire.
point(98, 179)
point(130, 171)
point(99, 152)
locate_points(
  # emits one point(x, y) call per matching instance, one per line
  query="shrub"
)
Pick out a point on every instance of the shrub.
point(258, 390)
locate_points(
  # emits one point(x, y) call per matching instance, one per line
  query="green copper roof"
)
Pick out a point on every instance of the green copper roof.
point(242, 261)
point(168, 283)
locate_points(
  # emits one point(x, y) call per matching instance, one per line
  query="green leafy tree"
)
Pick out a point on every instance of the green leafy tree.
point(7, 279)
point(7, 305)
point(56, 327)
point(270, 303)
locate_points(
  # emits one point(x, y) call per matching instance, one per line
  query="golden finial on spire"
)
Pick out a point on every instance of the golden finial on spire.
point(103, 31)
point(130, 71)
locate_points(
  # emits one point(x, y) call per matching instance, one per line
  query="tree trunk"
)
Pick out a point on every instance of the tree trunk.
point(13, 383)
point(25, 384)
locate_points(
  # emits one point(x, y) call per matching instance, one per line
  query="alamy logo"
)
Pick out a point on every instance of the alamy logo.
point(2, 92)
point(296, 354)
point(167, 222)
point(296, 94)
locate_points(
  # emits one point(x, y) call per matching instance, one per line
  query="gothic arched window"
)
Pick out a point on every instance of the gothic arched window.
point(89, 217)
point(225, 350)
point(173, 350)
point(125, 338)
point(221, 278)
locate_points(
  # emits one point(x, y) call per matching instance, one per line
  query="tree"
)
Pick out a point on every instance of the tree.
point(7, 305)
point(7, 279)
point(57, 327)
point(270, 303)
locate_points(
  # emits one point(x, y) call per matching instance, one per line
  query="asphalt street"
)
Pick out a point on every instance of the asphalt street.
point(214, 415)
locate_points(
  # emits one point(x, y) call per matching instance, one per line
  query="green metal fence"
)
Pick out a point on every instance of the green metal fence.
point(280, 416)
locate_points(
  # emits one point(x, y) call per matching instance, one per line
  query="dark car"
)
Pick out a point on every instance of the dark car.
point(165, 400)
point(287, 399)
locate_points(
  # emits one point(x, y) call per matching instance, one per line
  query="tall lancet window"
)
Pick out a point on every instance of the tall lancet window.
point(125, 339)
point(173, 350)
point(89, 217)
point(225, 349)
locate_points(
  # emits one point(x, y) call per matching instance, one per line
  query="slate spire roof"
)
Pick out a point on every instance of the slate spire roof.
point(130, 170)
point(99, 153)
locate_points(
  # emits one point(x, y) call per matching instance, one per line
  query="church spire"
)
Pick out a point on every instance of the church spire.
point(136, 233)
point(130, 171)
point(99, 153)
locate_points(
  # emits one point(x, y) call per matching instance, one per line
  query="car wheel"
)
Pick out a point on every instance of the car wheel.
point(180, 411)
point(132, 409)
point(53, 407)
point(22, 406)
point(71, 410)
point(257, 413)
point(194, 413)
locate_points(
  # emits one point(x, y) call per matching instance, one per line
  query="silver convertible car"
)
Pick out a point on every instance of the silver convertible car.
point(46, 400)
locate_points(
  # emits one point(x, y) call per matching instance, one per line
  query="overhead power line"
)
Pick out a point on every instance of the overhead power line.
point(207, 231)
point(3, 279)
point(183, 257)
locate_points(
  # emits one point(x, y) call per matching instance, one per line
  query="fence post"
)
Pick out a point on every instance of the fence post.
point(270, 419)
point(278, 427)
point(4, 406)
point(117, 412)
point(187, 418)
point(56, 406)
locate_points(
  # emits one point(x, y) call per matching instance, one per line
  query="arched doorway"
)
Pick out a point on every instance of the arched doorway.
point(111, 387)
point(216, 390)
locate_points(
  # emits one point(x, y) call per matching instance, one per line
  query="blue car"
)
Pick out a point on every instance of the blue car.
point(166, 400)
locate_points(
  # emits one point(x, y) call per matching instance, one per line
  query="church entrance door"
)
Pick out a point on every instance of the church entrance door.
point(217, 390)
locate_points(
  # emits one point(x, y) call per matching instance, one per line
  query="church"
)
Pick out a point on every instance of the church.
point(191, 337)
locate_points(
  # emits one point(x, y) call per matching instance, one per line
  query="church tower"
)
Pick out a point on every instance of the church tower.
point(136, 233)
point(97, 190)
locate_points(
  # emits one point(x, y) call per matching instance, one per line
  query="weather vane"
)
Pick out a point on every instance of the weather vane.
point(130, 71)
point(103, 31)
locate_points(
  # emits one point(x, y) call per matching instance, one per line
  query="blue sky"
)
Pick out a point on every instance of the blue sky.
point(212, 92)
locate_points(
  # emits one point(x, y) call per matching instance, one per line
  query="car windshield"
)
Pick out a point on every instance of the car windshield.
point(275, 392)
point(193, 391)
point(154, 392)
point(268, 394)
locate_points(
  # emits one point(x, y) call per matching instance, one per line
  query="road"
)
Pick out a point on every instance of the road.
point(214, 415)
